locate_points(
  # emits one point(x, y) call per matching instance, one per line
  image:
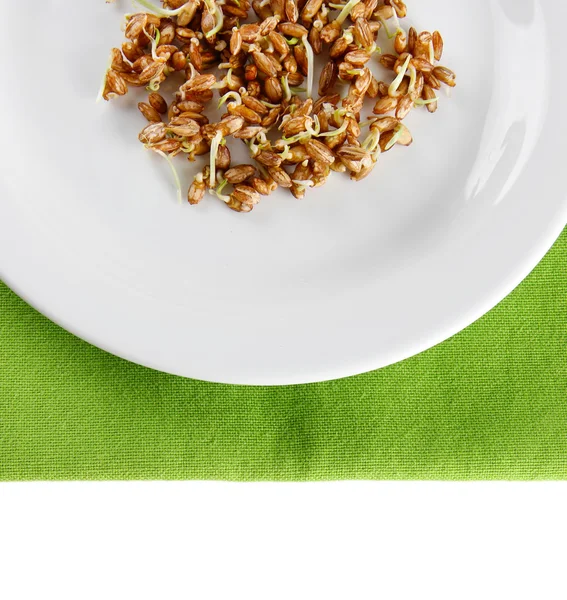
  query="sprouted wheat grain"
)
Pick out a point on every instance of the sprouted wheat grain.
point(262, 66)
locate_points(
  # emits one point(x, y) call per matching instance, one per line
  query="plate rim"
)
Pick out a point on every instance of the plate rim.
point(444, 334)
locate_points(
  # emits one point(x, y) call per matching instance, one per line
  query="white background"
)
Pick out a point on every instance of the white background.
point(328, 541)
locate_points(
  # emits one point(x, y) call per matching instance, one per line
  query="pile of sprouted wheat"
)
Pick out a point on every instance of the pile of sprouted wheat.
point(295, 137)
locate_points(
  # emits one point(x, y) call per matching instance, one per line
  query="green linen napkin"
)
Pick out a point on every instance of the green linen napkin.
point(490, 403)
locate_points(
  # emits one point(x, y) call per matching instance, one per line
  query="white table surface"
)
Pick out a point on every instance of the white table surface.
point(347, 541)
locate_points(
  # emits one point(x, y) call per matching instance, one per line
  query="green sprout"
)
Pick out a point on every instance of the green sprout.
point(252, 147)
point(392, 34)
point(229, 95)
point(348, 36)
point(286, 152)
point(222, 183)
point(341, 112)
point(397, 135)
point(155, 42)
point(297, 138)
point(371, 142)
point(215, 143)
point(413, 78)
point(262, 170)
point(345, 12)
point(285, 86)
point(153, 85)
point(269, 105)
point(302, 184)
point(398, 80)
point(431, 52)
point(311, 61)
point(217, 191)
point(161, 12)
point(335, 132)
point(214, 8)
point(175, 174)
point(103, 84)
point(421, 102)
point(314, 132)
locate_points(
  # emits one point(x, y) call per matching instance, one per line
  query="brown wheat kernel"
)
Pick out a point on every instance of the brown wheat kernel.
point(158, 103)
point(149, 112)
point(239, 173)
point(260, 67)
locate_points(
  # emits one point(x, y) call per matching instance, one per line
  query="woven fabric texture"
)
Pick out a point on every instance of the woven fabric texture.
point(490, 403)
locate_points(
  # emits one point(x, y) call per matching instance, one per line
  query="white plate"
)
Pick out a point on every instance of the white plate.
point(352, 278)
